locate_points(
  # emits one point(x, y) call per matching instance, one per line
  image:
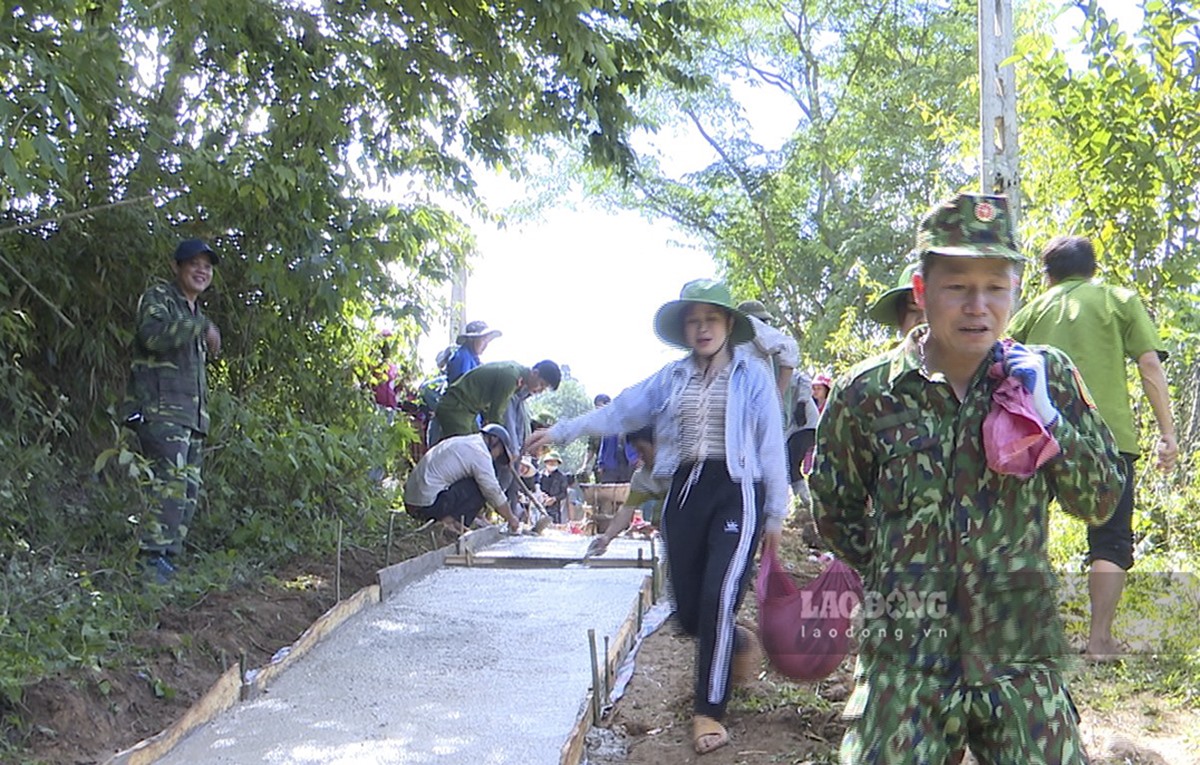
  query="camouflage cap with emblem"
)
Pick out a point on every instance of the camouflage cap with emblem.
point(969, 226)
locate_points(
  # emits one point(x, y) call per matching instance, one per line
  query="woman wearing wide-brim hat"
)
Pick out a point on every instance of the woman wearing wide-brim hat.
point(716, 417)
point(472, 342)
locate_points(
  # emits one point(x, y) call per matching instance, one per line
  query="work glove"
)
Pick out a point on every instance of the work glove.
point(1030, 368)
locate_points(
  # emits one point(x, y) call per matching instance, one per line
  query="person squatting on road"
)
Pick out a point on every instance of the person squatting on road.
point(454, 479)
point(1100, 326)
point(166, 400)
point(968, 651)
point(720, 439)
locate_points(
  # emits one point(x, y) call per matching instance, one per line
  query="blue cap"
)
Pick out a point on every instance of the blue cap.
point(190, 248)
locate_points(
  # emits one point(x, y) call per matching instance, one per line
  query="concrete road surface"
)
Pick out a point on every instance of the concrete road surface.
point(472, 666)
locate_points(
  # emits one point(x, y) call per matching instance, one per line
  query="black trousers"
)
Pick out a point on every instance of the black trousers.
point(462, 500)
point(710, 536)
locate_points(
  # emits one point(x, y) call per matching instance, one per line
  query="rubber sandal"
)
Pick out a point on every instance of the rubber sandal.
point(708, 735)
point(747, 656)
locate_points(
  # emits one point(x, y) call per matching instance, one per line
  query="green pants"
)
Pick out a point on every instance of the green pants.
point(454, 422)
point(176, 454)
point(901, 718)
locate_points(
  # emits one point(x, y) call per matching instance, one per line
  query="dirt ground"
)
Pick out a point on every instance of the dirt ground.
point(88, 717)
point(770, 720)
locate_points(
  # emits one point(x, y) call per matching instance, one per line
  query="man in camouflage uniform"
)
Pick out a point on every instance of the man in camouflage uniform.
point(167, 399)
point(961, 644)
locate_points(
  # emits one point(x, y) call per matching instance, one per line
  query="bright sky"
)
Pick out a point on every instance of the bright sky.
point(581, 285)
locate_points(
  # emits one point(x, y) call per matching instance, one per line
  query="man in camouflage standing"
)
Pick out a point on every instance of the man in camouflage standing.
point(961, 645)
point(167, 399)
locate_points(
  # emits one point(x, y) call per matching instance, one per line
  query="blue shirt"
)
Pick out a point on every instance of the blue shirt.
point(463, 361)
point(608, 458)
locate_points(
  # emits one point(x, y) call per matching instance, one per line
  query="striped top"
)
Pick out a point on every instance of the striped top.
point(702, 416)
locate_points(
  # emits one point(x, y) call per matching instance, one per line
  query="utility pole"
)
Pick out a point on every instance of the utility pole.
point(458, 303)
point(998, 172)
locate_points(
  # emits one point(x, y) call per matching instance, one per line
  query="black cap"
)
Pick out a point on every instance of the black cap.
point(190, 248)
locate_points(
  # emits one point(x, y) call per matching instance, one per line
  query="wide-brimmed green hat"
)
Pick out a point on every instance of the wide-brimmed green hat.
point(668, 322)
point(969, 226)
point(552, 457)
point(885, 309)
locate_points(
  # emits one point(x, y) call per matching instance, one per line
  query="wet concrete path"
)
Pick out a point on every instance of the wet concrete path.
point(479, 665)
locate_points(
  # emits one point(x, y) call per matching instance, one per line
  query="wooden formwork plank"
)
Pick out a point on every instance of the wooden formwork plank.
point(572, 749)
point(619, 646)
point(398, 575)
point(222, 695)
point(500, 561)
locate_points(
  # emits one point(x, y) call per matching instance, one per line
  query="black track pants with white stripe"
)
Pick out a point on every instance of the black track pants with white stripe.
point(710, 535)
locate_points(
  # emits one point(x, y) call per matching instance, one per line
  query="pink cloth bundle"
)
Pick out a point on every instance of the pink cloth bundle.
point(805, 632)
point(1014, 438)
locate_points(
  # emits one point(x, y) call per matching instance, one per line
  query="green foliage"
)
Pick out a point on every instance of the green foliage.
point(319, 148)
point(1116, 157)
point(1118, 141)
point(817, 225)
point(570, 400)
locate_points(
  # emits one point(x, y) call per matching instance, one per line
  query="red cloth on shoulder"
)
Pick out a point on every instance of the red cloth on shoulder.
point(1014, 438)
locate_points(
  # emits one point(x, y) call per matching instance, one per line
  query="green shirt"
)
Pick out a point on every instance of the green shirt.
point(1099, 327)
point(953, 552)
point(484, 390)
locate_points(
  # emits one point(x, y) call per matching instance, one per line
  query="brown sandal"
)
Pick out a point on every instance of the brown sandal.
point(708, 735)
point(747, 656)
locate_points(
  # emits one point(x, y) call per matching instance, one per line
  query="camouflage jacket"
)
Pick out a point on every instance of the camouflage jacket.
point(953, 554)
point(167, 382)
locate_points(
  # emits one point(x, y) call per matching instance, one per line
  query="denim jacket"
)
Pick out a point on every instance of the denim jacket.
point(754, 448)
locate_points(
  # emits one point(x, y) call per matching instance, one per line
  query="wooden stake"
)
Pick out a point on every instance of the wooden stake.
point(245, 689)
point(596, 690)
point(654, 574)
point(387, 555)
point(337, 579)
point(607, 669)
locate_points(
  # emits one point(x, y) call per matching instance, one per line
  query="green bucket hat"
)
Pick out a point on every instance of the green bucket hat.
point(668, 322)
point(969, 226)
point(756, 309)
point(884, 310)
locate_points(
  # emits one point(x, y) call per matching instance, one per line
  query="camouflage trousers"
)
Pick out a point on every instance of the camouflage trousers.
point(176, 453)
point(902, 718)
